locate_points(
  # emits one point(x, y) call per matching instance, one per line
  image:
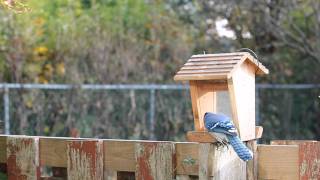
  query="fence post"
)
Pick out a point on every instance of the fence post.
point(6, 112)
point(152, 113)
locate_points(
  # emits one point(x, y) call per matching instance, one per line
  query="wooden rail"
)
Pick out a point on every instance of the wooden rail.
point(290, 159)
point(23, 157)
point(95, 159)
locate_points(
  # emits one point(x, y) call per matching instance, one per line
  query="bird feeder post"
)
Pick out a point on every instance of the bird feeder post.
point(232, 72)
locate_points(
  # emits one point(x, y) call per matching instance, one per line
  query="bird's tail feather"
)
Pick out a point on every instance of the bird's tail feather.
point(241, 149)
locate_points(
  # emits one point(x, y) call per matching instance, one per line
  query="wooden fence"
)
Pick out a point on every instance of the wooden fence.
point(29, 157)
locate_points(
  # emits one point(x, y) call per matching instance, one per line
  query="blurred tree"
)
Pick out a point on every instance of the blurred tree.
point(98, 41)
point(18, 6)
point(285, 34)
point(130, 41)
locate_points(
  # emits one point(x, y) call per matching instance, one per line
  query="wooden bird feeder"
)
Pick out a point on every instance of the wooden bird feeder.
point(231, 72)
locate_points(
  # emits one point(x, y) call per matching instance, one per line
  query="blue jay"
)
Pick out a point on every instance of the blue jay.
point(221, 127)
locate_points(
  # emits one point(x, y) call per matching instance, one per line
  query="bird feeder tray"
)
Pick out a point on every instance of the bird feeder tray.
point(232, 72)
point(207, 137)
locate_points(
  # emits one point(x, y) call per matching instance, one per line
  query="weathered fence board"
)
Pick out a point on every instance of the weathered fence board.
point(227, 165)
point(205, 160)
point(252, 166)
point(278, 162)
point(309, 157)
point(23, 158)
point(187, 158)
point(125, 159)
point(119, 155)
point(52, 152)
point(85, 159)
point(154, 161)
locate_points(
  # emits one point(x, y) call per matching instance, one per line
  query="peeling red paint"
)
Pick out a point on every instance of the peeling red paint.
point(309, 157)
point(154, 160)
point(146, 149)
point(23, 158)
point(309, 160)
point(85, 160)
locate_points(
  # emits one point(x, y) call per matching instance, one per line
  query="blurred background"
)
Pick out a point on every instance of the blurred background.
point(145, 42)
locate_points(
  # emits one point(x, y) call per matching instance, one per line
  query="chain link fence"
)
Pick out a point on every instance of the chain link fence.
point(158, 112)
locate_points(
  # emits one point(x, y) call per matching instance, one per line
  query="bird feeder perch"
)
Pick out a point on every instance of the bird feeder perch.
point(232, 72)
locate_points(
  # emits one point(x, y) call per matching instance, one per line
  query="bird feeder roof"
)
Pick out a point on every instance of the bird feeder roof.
point(216, 66)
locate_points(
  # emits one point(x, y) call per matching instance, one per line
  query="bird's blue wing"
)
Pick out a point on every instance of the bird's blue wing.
point(219, 123)
point(231, 132)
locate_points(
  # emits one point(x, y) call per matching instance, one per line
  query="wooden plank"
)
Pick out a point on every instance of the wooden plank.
point(220, 54)
point(85, 159)
point(207, 67)
point(278, 162)
point(187, 158)
point(309, 160)
point(203, 72)
point(206, 137)
point(200, 136)
point(211, 63)
point(53, 152)
point(23, 158)
point(230, 58)
point(198, 125)
point(206, 101)
point(154, 161)
point(259, 131)
point(3, 149)
point(309, 157)
point(205, 158)
point(252, 166)
point(291, 142)
point(211, 76)
point(213, 85)
point(242, 97)
point(203, 98)
point(119, 155)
